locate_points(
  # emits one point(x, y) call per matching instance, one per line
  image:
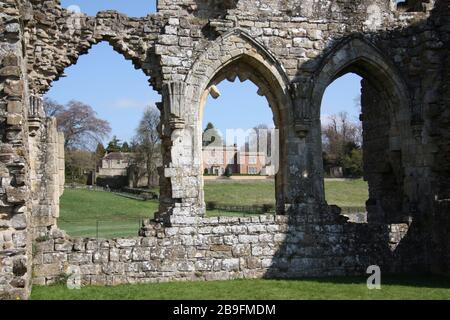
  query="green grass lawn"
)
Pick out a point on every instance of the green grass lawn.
point(345, 193)
point(246, 193)
point(118, 216)
point(399, 287)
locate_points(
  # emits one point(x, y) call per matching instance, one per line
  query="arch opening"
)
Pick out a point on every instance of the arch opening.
point(102, 169)
point(384, 130)
point(267, 140)
point(342, 144)
point(412, 5)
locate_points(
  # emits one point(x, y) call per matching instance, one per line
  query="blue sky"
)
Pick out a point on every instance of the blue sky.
point(239, 105)
point(133, 8)
point(340, 96)
point(119, 93)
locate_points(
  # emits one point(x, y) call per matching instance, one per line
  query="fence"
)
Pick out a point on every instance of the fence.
point(102, 228)
point(255, 209)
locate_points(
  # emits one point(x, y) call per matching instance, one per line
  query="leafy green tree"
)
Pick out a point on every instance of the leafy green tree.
point(353, 163)
point(78, 165)
point(114, 145)
point(126, 147)
point(99, 152)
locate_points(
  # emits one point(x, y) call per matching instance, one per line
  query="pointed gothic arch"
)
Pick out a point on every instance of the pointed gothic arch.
point(386, 130)
point(238, 55)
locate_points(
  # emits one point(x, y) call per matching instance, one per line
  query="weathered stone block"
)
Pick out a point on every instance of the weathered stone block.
point(19, 221)
point(14, 88)
point(64, 246)
point(141, 254)
point(47, 270)
point(248, 239)
point(80, 258)
point(10, 71)
point(126, 243)
point(230, 264)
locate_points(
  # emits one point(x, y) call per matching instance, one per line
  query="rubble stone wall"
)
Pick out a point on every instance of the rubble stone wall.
point(292, 50)
point(220, 249)
point(15, 208)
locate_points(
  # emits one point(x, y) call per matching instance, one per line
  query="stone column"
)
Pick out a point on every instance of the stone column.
point(46, 168)
point(305, 164)
point(180, 178)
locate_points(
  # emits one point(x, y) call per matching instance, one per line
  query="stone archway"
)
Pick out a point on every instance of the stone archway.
point(46, 144)
point(386, 125)
point(237, 55)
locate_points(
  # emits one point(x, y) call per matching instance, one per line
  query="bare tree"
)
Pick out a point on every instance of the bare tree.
point(52, 108)
point(147, 143)
point(81, 127)
point(340, 138)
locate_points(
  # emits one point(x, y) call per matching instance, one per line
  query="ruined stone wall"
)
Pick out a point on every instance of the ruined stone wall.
point(47, 174)
point(292, 50)
point(15, 221)
point(220, 249)
point(187, 45)
point(299, 41)
point(56, 38)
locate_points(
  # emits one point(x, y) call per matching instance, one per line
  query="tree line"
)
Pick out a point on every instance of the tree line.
point(85, 132)
point(342, 141)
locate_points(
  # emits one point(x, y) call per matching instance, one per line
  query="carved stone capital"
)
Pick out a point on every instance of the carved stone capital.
point(36, 115)
point(174, 105)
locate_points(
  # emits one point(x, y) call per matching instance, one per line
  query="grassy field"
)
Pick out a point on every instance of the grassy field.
point(240, 193)
point(400, 288)
point(119, 217)
point(345, 193)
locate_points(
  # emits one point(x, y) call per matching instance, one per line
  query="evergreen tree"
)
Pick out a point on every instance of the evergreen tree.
point(125, 147)
point(99, 152)
point(114, 145)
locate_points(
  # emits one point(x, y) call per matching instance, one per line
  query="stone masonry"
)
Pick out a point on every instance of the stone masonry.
point(292, 50)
